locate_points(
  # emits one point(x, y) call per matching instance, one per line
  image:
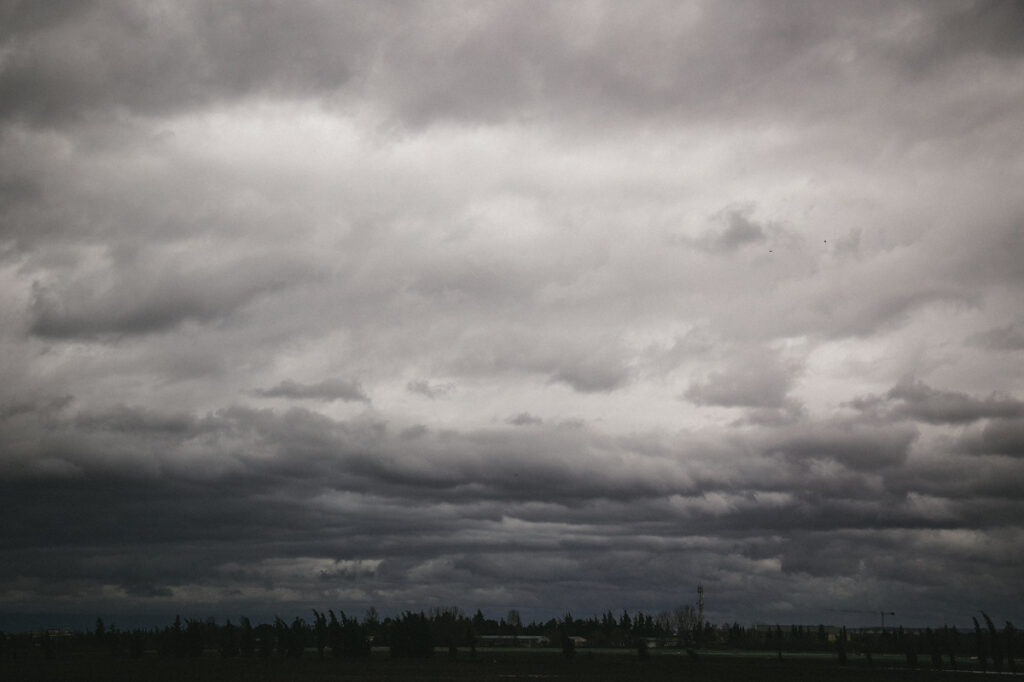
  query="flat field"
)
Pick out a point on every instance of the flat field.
point(486, 666)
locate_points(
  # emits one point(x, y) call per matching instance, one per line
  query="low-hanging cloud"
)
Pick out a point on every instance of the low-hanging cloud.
point(998, 437)
point(915, 400)
point(739, 229)
point(325, 390)
point(432, 391)
point(150, 294)
point(587, 365)
point(757, 379)
point(999, 338)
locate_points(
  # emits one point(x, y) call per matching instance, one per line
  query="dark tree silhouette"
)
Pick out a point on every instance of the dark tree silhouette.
point(137, 644)
point(334, 634)
point(410, 637)
point(996, 651)
point(979, 645)
point(371, 622)
point(297, 638)
point(247, 644)
point(266, 640)
point(568, 645)
point(933, 648)
point(1009, 635)
point(176, 639)
point(46, 643)
point(951, 640)
point(114, 642)
point(228, 640)
point(281, 636)
point(193, 638)
point(911, 651)
point(470, 638)
point(320, 630)
point(355, 641)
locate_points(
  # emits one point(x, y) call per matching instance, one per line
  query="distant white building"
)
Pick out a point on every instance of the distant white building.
point(513, 640)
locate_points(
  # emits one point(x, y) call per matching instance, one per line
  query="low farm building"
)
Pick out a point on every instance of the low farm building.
point(513, 640)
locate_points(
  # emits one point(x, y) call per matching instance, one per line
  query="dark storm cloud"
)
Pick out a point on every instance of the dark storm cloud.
point(999, 338)
point(738, 231)
point(432, 391)
point(151, 295)
point(490, 63)
point(587, 365)
point(858, 446)
point(661, 60)
point(758, 380)
point(933, 553)
point(16, 190)
point(77, 59)
point(253, 451)
point(960, 475)
point(919, 401)
point(913, 399)
point(135, 421)
point(990, 27)
point(326, 390)
point(46, 406)
point(999, 437)
point(524, 419)
point(264, 503)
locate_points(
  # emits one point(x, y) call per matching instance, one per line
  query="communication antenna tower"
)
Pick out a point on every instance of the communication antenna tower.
point(700, 605)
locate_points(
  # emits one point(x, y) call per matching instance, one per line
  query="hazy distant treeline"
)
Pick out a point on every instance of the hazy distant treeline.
point(419, 634)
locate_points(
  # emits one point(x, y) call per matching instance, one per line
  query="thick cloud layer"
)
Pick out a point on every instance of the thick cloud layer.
point(542, 306)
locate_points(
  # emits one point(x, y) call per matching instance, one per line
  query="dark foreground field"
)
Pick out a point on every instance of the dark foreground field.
point(503, 666)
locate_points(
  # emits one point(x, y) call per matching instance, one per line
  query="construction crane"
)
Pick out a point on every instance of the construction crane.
point(882, 614)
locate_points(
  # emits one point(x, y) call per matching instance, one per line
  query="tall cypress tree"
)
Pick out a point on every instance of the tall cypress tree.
point(979, 645)
point(334, 634)
point(995, 650)
point(320, 630)
point(247, 645)
point(1009, 635)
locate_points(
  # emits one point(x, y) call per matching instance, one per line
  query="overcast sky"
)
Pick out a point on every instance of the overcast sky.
point(535, 305)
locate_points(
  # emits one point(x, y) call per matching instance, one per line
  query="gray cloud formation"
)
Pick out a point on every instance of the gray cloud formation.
point(462, 510)
point(1000, 437)
point(524, 419)
point(326, 390)
point(739, 230)
point(88, 58)
point(927, 404)
point(913, 399)
point(686, 292)
point(757, 379)
point(999, 338)
point(586, 365)
point(496, 64)
point(432, 391)
point(137, 300)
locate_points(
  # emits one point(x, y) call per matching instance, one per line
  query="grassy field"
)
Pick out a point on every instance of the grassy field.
point(487, 666)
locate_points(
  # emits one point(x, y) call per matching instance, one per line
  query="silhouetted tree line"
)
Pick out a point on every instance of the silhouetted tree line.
point(417, 634)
